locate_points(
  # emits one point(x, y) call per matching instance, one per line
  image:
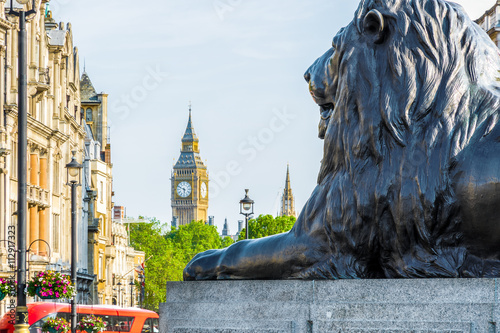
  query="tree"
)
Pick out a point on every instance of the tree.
point(163, 263)
point(193, 238)
point(170, 252)
point(226, 241)
point(266, 225)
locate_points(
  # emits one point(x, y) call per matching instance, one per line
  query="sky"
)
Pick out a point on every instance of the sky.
point(240, 63)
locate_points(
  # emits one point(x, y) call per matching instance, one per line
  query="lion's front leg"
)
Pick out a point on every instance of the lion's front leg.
point(275, 257)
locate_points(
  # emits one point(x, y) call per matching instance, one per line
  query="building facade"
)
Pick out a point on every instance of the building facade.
point(189, 195)
point(99, 191)
point(55, 129)
point(490, 22)
point(59, 122)
point(287, 199)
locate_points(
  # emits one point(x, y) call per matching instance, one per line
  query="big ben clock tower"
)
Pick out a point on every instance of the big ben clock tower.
point(189, 181)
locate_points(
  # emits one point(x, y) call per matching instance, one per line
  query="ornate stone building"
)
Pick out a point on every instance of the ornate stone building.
point(123, 269)
point(189, 196)
point(98, 192)
point(58, 111)
point(287, 199)
point(55, 129)
point(490, 22)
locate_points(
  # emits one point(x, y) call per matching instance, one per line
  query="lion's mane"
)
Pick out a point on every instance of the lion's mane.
point(403, 111)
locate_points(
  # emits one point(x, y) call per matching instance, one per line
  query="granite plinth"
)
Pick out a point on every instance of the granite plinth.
point(351, 306)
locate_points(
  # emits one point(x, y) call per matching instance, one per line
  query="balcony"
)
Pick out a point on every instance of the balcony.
point(43, 76)
point(42, 82)
point(38, 196)
point(110, 251)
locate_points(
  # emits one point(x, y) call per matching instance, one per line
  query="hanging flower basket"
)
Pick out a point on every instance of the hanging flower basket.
point(91, 324)
point(51, 285)
point(55, 325)
point(7, 287)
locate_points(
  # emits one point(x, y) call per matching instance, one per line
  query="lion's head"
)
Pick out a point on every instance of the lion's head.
point(402, 70)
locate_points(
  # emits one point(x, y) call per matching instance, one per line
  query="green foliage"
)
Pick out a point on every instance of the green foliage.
point(266, 225)
point(162, 261)
point(170, 252)
point(226, 241)
point(194, 238)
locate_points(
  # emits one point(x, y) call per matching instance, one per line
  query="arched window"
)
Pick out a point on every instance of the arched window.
point(88, 116)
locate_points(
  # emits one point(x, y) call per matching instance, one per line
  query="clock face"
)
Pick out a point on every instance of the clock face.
point(203, 190)
point(183, 189)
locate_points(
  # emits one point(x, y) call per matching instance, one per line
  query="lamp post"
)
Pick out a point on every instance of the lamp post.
point(246, 208)
point(74, 180)
point(21, 325)
point(120, 296)
point(142, 279)
point(131, 284)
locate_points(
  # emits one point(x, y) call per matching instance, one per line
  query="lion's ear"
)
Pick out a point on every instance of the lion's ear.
point(374, 25)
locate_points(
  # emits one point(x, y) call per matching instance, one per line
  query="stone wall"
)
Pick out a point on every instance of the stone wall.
point(351, 306)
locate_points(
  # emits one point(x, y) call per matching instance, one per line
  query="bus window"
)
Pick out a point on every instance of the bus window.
point(150, 325)
point(155, 325)
point(118, 323)
point(37, 326)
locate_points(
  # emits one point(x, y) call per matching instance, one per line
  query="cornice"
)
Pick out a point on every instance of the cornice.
point(37, 126)
point(6, 25)
point(73, 87)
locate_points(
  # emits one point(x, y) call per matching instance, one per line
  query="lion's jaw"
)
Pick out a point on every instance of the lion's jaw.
point(322, 90)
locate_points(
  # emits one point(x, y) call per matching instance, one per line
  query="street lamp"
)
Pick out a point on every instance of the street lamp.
point(120, 296)
point(142, 281)
point(22, 325)
point(246, 208)
point(131, 284)
point(74, 180)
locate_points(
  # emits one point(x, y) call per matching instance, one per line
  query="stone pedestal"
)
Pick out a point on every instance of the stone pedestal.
point(351, 306)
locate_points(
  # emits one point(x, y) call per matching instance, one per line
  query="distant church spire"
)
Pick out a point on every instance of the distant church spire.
point(287, 199)
point(225, 230)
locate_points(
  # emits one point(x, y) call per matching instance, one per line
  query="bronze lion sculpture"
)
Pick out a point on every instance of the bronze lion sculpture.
point(409, 185)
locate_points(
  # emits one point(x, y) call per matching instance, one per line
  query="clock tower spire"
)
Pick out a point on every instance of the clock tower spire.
point(189, 197)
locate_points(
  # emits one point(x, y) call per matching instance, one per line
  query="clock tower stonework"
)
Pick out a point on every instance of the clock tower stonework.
point(189, 182)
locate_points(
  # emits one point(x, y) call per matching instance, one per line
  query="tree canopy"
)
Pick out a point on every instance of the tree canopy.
point(170, 252)
point(267, 225)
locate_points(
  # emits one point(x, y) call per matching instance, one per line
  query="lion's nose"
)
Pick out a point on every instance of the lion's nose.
point(307, 76)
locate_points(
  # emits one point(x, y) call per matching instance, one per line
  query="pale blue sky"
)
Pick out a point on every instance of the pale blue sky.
point(239, 62)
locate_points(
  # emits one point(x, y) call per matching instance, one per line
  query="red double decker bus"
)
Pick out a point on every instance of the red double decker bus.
point(117, 319)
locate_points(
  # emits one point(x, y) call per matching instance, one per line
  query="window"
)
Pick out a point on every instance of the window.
point(150, 326)
point(13, 209)
point(55, 185)
point(113, 323)
point(100, 268)
point(101, 195)
point(14, 159)
point(56, 233)
point(88, 115)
